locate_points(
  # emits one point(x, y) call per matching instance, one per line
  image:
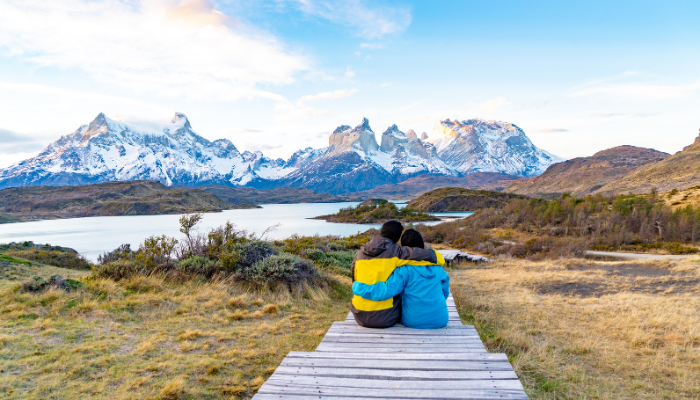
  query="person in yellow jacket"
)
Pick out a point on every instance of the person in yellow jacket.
point(374, 262)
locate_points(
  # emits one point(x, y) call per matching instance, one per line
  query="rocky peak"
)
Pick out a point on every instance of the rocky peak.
point(423, 136)
point(360, 138)
point(392, 138)
point(411, 135)
point(180, 118)
point(342, 128)
point(97, 124)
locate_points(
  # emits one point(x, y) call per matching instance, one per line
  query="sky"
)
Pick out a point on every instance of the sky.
point(280, 75)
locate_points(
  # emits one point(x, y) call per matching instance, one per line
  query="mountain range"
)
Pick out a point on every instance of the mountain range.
point(174, 154)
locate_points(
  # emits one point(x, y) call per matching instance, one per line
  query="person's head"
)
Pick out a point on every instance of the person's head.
point(391, 230)
point(412, 238)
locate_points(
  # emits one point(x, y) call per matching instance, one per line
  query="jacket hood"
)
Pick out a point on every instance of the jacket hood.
point(376, 246)
point(427, 271)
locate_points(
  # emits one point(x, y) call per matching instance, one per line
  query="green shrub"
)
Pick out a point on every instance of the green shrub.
point(252, 252)
point(122, 252)
point(57, 258)
point(336, 261)
point(197, 265)
point(39, 284)
point(118, 270)
point(283, 268)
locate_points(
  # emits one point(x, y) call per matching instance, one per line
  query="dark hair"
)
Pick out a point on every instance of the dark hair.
point(412, 238)
point(391, 230)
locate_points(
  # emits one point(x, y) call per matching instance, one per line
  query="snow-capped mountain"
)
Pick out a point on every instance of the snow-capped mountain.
point(172, 153)
point(355, 161)
point(108, 150)
point(489, 146)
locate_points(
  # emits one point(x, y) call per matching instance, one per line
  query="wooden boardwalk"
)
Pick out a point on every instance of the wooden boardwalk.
point(397, 363)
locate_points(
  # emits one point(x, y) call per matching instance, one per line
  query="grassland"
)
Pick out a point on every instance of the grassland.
point(580, 329)
point(149, 337)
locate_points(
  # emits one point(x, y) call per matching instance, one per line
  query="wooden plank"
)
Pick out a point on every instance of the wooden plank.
point(389, 343)
point(439, 348)
point(490, 357)
point(331, 382)
point(277, 393)
point(401, 339)
point(400, 350)
point(380, 373)
point(423, 365)
point(352, 324)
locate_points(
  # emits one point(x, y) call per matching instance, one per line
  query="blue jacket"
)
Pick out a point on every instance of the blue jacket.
point(425, 289)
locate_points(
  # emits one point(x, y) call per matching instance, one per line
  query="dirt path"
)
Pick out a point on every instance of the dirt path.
point(637, 256)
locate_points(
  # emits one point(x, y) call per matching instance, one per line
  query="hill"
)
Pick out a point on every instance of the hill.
point(459, 199)
point(584, 175)
point(415, 186)
point(679, 171)
point(376, 211)
point(286, 195)
point(111, 198)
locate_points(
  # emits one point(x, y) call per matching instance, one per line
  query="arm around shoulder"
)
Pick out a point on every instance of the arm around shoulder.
point(381, 290)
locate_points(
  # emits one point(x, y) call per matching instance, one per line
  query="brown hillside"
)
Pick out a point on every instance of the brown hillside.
point(459, 199)
point(679, 171)
point(418, 185)
point(584, 175)
point(111, 198)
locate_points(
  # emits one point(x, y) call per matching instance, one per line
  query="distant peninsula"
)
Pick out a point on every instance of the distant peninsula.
point(102, 199)
point(453, 199)
point(376, 211)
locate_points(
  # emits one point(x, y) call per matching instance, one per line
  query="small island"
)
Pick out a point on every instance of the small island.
point(376, 211)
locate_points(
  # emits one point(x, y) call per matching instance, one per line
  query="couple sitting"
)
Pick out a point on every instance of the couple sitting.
point(395, 283)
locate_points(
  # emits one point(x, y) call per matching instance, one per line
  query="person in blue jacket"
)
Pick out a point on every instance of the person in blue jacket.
point(424, 289)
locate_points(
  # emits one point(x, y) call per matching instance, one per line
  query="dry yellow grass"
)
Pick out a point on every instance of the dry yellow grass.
point(150, 338)
point(590, 330)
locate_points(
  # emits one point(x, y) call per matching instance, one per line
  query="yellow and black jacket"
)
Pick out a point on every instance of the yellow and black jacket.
point(374, 263)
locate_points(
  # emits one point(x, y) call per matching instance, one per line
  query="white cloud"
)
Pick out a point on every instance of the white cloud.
point(358, 53)
point(149, 46)
point(639, 91)
point(385, 84)
point(370, 20)
point(492, 105)
point(289, 112)
point(372, 46)
point(549, 130)
point(336, 94)
point(349, 73)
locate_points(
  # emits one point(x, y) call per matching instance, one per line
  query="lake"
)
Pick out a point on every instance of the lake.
point(92, 236)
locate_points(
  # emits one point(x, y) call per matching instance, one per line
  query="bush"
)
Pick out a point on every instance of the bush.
point(283, 268)
point(252, 252)
point(39, 284)
point(57, 258)
point(197, 265)
point(122, 252)
point(337, 261)
point(118, 270)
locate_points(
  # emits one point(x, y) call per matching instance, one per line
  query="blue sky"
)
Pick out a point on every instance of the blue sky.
point(279, 75)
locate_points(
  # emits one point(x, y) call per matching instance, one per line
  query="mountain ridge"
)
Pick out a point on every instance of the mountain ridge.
point(174, 154)
point(584, 175)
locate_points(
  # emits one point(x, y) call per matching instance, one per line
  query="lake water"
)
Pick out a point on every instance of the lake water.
point(92, 236)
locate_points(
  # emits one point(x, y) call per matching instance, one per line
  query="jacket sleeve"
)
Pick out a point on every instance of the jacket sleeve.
point(382, 290)
point(445, 284)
